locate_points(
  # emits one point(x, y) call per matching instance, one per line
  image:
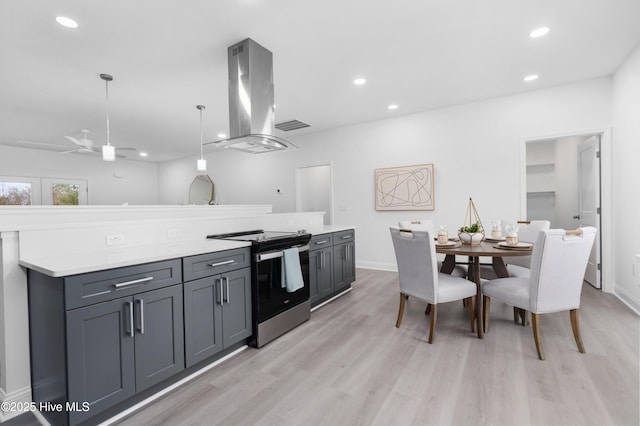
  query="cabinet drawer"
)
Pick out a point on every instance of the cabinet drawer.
point(95, 287)
point(320, 241)
point(344, 236)
point(206, 265)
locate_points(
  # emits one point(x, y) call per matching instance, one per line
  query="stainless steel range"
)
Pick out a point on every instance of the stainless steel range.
point(276, 308)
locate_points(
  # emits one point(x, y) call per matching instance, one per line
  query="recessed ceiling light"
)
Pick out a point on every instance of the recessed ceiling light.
point(393, 106)
point(66, 22)
point(143, 154)
point(222, 135)
point(359, 81)
point(539, 32)
point(531, 77)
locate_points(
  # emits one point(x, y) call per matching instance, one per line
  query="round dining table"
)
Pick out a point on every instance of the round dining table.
point(475, 252)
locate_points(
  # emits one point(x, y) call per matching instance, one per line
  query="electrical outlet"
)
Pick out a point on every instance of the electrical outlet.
point(173, 233)
point(115, 239)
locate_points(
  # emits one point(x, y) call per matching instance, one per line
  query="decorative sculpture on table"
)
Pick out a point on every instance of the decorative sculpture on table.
point(472, 232)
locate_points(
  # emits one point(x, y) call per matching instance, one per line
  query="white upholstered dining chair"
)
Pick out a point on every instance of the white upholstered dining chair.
point(416, 257)
point(518, 266)
point(558, 264)
point(427, 225)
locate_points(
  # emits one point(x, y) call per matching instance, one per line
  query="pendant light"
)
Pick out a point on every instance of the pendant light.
point(108, 150)
point(202, 163)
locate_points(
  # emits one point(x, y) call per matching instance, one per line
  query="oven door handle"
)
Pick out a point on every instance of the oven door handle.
point(261, 257)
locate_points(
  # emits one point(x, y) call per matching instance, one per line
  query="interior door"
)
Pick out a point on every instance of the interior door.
point(313, 190)
point(589, 201)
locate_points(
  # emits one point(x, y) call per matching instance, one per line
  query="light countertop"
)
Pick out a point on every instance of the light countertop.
point(328, 229)
point(116, 257)
point(79, 263)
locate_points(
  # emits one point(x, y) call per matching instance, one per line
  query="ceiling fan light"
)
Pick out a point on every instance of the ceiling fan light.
point(108, 153)
point(202, 165)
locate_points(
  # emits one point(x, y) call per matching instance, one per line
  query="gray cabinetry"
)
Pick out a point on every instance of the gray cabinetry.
point(320, 267)
point(88, 350)
point(331, 264)
point(217, 303)
point(344, 258)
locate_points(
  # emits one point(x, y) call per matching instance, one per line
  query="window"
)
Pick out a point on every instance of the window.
point(26, 191)
point(64, 192)
point(19, 191)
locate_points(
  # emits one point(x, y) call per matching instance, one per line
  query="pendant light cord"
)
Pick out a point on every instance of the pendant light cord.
point(106, 82)
point(201, 107)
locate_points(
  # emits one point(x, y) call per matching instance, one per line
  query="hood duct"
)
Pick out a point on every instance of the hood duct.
point(251, 104)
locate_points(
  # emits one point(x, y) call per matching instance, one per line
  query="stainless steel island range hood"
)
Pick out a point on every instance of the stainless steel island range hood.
point(251, 104)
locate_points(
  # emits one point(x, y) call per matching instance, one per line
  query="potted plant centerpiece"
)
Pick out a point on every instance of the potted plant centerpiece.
point(472, 232)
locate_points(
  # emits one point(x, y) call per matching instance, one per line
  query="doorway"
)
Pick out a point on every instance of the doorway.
point(563, 185)
point(314, 190)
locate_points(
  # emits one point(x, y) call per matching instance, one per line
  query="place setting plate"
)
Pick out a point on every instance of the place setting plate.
point(447, 244)
point(520, 246)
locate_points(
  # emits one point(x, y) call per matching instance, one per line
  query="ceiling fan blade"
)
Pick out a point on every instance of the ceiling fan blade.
point(126, 148)
point(74, 140)
point(69, 151)
point(42, 144)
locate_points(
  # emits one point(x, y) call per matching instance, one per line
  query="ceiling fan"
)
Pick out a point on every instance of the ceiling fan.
point(83, 145)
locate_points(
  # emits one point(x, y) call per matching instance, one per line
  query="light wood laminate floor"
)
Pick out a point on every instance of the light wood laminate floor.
point(349, 365)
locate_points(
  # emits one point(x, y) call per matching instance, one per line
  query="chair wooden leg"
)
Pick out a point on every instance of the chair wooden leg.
point(516, 317)
point(575, 325)
point(401, 309)
point(434, 315)
point(427, 310)
point(535, 322)
point(485, 312)
point(472, 314)
point(524, 318)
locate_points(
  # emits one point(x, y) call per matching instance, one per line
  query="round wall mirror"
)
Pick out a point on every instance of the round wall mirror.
point(201, 190)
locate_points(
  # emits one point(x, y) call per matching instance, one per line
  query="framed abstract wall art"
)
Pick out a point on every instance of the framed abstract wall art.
point(405, 188)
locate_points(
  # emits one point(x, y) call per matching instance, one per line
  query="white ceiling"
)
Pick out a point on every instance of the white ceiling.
point(167, 56)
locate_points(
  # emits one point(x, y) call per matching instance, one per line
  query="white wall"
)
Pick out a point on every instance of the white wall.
point(136, 182)
point(626, 179)
point(475, 148)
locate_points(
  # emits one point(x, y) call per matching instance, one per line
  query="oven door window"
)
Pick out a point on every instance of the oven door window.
point(272, 297)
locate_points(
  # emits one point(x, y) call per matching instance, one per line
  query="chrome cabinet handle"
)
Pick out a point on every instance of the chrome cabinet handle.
point(128, 283)
point(226, 280)
point(129, 304)
point(322, 261)
point(319, 260)
point(346, 237)
point(140, 303)
point(226, 262)
point(221, 295)
point(322, 242)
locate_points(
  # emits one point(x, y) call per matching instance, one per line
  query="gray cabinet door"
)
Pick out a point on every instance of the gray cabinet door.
point(321, 274)
point(202, 319)
point(344, 270)
point(159, 342)
point(236, 309)
point(315, 263)
point(100, 355)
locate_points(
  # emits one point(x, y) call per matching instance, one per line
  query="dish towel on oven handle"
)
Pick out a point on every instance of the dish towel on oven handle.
point(292, 277)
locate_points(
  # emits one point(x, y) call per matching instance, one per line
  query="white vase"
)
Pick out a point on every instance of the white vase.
point(473, 239)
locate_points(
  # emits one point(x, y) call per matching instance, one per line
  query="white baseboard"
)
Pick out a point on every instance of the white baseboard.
point(380, 266)
point(21, 397)
point(627, 298)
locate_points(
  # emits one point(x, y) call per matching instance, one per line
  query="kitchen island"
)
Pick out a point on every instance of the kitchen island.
point(63, 239)
point(62, 242)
